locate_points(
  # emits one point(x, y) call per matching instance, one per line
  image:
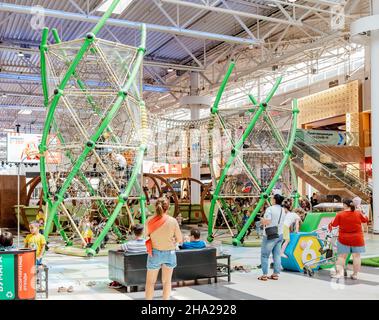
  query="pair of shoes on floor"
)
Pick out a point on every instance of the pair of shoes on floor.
point(114, 285)
point(242, 268)
point(64, 289)
point(260, 266)
point(91, 283)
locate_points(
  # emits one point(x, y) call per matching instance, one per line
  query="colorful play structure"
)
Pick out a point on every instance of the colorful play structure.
point(307, 245)
point(98, 132)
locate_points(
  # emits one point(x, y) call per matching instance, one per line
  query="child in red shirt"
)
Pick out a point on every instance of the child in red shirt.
point(350, 237)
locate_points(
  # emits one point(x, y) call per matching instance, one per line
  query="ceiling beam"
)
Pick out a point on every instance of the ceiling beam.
point(21, 107)
point(20, 9)
point(232, 12)
point(146, 61)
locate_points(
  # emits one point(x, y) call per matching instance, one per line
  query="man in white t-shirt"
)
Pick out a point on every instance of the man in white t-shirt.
point(273, 217)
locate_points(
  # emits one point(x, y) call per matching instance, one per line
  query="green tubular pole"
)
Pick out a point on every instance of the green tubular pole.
point(255, 103)
point(43, 48)
point(125, 67)
point(105, 17)
point(124, 196)
point(273, 90)
point(143, 209)
point(86, 182)
point(235, 150)
point(122, 199)
point(222, 87)
point(296, 194)
point(280, 140)
point(58, 93)
point(264, 195)
point(81, 85)
point(227, 166)
point(228, 212)
point(61, 231)
point(243, 161)
point(45, 89)
point(91, 101)
point(49, 119)
point(275, 131)
point(253, 100)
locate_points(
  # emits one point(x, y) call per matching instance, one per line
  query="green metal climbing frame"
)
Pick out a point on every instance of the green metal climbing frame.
point(96, 126)
point(245, 149)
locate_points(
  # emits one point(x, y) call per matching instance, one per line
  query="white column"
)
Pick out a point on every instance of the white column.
point(360, 28)
point(195, 103)
point(375, 117)
point(195, 115)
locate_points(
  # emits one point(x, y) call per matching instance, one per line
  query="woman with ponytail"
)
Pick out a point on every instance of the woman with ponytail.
point(350, 237)
point(164, 233)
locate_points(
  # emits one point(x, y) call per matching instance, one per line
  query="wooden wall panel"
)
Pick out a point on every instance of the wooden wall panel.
point(8, 199)
point(330, 103)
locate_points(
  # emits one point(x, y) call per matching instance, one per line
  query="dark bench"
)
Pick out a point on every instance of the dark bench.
point(129, 269)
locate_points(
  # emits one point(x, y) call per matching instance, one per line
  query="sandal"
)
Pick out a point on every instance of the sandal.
point(263, 278)
point(274, 277)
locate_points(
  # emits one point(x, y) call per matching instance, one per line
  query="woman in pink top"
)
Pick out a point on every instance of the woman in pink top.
point(164, 233)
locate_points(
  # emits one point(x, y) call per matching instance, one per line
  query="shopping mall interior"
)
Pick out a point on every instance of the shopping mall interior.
point(228, 143)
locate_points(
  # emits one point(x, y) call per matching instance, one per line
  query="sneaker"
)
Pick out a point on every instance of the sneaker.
point(115, 285)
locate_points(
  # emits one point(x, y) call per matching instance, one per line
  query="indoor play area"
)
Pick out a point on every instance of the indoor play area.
point(246, 126)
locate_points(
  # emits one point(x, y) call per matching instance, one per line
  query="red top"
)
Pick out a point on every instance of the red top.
point(350, 227)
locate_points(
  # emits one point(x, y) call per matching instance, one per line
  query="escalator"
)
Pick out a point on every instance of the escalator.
point(327, 170)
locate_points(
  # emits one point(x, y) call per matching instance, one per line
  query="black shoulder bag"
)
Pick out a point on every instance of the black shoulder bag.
point(272, 232)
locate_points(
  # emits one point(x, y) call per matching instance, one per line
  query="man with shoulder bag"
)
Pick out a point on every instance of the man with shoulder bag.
point(272, 221)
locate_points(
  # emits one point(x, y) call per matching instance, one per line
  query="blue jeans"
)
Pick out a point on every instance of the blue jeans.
point(258, 228)
point(271, 246)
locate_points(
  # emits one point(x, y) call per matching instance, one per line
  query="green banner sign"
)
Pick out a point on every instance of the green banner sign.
point(7, 288)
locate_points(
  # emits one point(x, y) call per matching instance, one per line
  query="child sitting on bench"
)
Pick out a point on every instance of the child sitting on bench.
point(193, 242)
point(6, 241)
point(134, 246)
point(138, 244)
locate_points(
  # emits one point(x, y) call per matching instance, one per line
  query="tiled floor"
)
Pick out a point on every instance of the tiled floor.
point(89, 278)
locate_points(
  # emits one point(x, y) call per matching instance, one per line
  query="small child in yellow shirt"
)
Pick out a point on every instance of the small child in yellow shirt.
point(35, 240)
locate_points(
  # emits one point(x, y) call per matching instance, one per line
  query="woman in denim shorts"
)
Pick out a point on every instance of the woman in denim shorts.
point(350, 238)
point(164, 237)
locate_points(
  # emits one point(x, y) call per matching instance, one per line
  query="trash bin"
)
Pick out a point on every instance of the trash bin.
point(18, 274)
